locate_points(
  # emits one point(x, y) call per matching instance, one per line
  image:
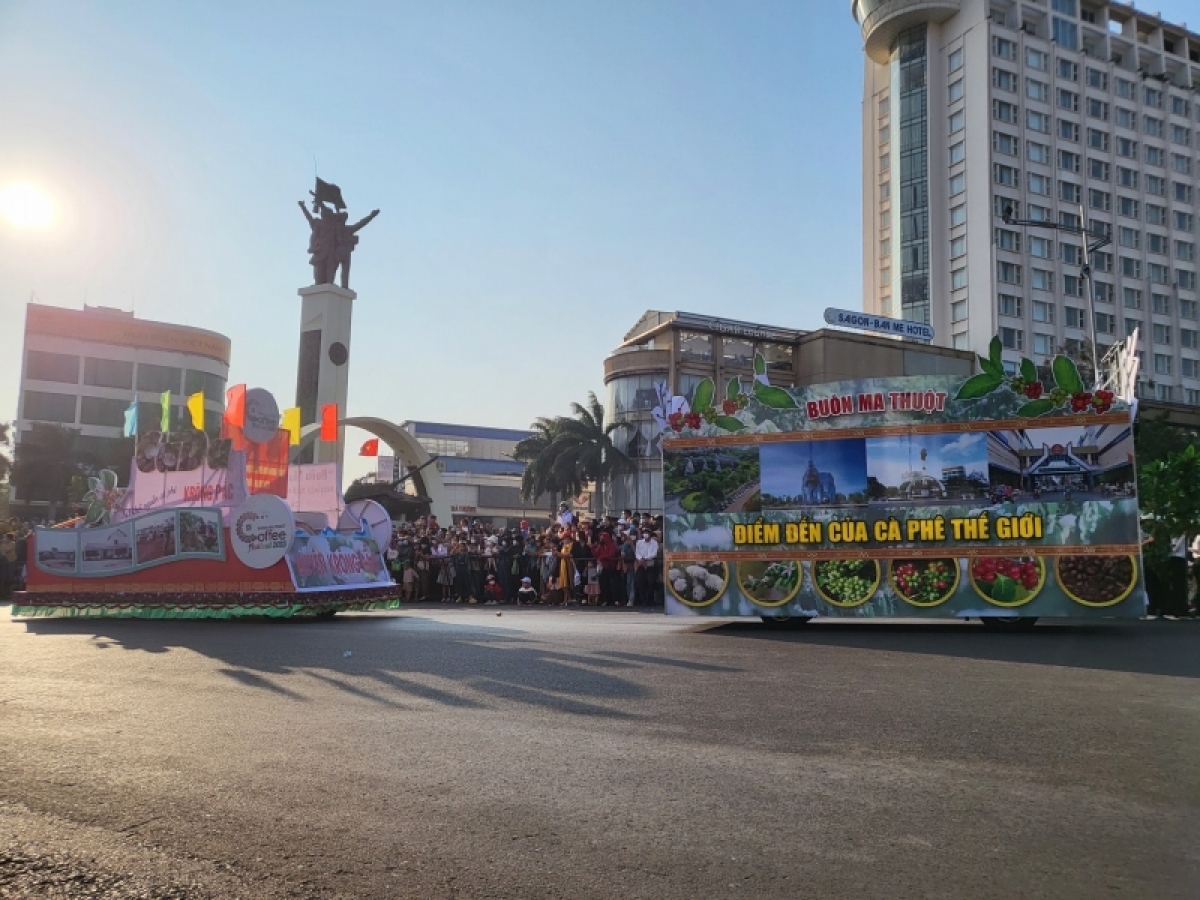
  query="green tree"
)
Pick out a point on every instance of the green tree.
point(5, 460)
point(534, 451)
point(46, 461)
point(1169, 496)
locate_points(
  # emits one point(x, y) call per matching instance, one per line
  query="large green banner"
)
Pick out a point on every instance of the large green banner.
point(1000, 494)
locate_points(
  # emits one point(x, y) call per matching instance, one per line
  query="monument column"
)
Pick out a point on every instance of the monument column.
point(323, 375)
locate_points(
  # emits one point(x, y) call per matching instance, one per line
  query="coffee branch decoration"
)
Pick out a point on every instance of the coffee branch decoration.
point(1067, 392)
point(103, 498)
point(730, 412)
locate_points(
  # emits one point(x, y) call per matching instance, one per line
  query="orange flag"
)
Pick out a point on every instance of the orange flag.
point(235, 405)
point(370, 448)
point(329, 423)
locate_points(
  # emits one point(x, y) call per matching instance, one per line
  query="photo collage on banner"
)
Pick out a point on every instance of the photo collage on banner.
point(941, 513)
point(136, 543)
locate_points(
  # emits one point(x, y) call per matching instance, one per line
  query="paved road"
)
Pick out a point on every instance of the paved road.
point(600, 753)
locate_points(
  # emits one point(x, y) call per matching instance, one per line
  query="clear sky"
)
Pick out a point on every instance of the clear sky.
point(546, 171)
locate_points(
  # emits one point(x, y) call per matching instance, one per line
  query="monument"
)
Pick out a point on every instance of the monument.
point(322, 377)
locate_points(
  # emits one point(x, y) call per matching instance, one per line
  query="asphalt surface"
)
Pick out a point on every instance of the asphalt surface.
point(451, 752)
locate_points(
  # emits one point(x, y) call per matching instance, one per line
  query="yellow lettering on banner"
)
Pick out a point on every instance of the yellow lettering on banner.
point(759, 532)
point(791, 533)
point(926, 529)
point(739, 534)
point(1014, 528)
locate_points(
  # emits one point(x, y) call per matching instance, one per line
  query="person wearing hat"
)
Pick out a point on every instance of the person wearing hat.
point(526, 595)
point(565, 517)
point(492, 592)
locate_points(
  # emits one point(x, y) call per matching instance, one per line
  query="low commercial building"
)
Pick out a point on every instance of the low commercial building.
point(681, 349)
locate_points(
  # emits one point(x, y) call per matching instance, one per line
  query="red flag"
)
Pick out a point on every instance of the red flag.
point(329, 425)
point(235, 405)
point(370, 448)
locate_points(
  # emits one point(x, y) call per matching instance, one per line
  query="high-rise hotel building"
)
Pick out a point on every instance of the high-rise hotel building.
point(970, 106)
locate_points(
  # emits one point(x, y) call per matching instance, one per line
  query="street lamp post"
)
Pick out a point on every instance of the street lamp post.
point(1085, 272)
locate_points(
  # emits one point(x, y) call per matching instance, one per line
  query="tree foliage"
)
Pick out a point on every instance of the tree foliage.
point(1169, 496)
point(5, 460)
point(46, 461)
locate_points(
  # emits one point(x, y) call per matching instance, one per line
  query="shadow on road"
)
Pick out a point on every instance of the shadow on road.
point(394, 661)
point(1150, 648)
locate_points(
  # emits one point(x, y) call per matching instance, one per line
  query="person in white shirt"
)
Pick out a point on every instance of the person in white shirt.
point(565, 517)
point(645, 555)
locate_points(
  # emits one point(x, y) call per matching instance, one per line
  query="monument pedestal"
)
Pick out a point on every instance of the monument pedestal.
point(323, 374)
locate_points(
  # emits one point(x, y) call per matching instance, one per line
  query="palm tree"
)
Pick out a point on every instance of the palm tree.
point(46, 461)
point(533, 451)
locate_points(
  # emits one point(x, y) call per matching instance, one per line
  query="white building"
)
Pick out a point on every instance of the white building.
point(1044, 105)
point(83, 368)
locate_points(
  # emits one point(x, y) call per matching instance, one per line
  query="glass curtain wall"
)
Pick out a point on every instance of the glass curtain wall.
point(910, 63)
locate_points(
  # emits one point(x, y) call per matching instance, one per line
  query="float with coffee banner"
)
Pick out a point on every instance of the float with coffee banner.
point(1008, 496)
point(208, 526)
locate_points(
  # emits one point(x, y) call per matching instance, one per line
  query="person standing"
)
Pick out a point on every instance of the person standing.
point(646, 554)
point(8, 564)
point(606, 554)
point(629, 565)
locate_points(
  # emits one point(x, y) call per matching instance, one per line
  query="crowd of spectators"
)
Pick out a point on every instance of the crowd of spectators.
point(608, 561)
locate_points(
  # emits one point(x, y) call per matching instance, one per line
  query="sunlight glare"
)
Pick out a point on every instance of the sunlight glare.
point(26, 206)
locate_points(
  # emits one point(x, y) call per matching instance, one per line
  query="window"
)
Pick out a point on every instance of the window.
point(1097, 79)
point(1188, 338)
point(1097, 109)
point(46, 407)
point(1124, 88)
point(1185, 250)
point(1072, 254)
point(1126, 118)
point(1126, 148)
point(60, 367)
point(961, 341)
point(1043, 312)
point(1005, 143)
point(1098, 169)
point(955, 60)
point(1065, 34)
point(958, 184)
point(1159, 274)
point(212, 385)
point(1037, 90)
point(1132, 325)
point(1005, 240)
point(1133, 298)
point(1160, 304)
point(737, 351)
point(1005, 175)
point(1036, 59)
point(695, 346)
point(1152, 126)
point(958, 152)
point(1039, 184)
point(1154, 97)
point(109, 373)
point(1068, 131)
point(1043, 344)
point(1162, 364)
point(1040, 247)
point(1068, 161)
point(1038, 153)
point(1127, 177)
point(1101, 200)
point(1156, 215)
point(1005, 49)
point(885, 191)
point(1129, 237)
point(1008, 273)
point(1156, 243)
point(1181, 192)
point(1002, 79)
point(1036, 121)
point(958, 121)
point(1009, 305)
point(1181, 164)
point(1002, 111)
point(1102, 261)
point(1067, 192)
point(1097, 140)
point(884, 107)
point(1042, 280)
point(1073, 317)
point(958, 279)
point(1068, 100)
point(1179, 107)
point(1157, 185)
point(958, 247)
point(1184, 221)
point(1127, 207)
point(1187, 308)
point(101, 411)
point(1181, 135)
point(1103, 291)
point(885, 162)
point(158, 378)
point(1012, 338)
point(1039, 213)
point(958, 311)
point(1187, 368)
point(1185, 279)
point(1131, 268)
point(958, 215)
point(1106, 323)
point(1164, 391)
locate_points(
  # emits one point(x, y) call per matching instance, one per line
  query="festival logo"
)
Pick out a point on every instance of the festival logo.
point(261, 530)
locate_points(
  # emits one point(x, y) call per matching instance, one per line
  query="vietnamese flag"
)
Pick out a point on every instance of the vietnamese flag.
point(329, 423)
point(370, 448)
point(235, 405)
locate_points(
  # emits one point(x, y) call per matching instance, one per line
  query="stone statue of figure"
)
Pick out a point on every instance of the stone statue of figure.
point(332, 240)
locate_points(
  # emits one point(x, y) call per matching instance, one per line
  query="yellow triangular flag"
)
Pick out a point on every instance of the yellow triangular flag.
point(291, 421)
point(195, 405)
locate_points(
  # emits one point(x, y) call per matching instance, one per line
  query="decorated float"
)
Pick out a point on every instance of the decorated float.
point(1007, 495)
point(206, 526)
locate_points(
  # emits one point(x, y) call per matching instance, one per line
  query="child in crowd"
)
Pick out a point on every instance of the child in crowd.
point(591, 587)
point(492, 591)
point(410, 583)
point(526, 595)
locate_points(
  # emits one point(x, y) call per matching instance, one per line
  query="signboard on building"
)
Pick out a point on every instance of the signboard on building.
point(992, 495)
point(848, 318)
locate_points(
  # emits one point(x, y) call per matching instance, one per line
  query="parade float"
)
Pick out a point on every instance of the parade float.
point(1007, 495)
point(208, 526)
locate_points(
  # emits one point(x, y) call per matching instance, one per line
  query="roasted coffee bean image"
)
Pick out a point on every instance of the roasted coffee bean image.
point(1096, 580)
